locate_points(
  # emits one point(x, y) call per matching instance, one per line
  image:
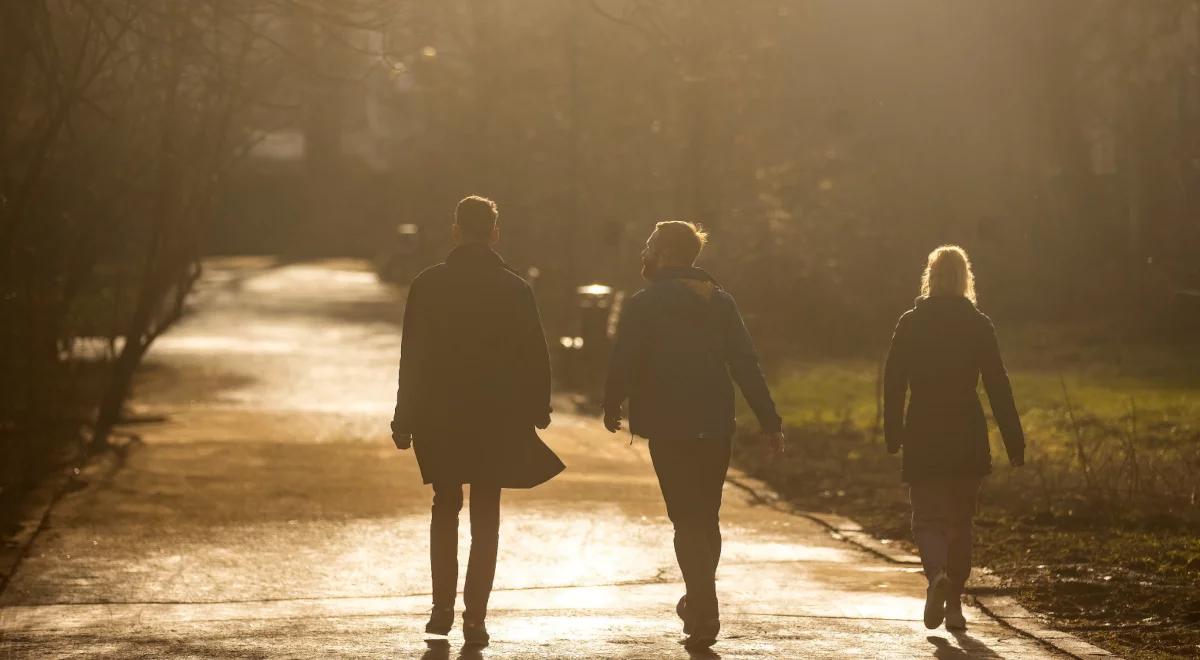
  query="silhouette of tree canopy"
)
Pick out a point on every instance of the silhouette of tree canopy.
point(827, 145)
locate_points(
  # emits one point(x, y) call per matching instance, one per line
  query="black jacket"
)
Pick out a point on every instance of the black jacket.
point(939, 350)
point(475, 374)
point(678, 342)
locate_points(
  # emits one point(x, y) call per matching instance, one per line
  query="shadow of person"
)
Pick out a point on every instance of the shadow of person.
point(973, 647)
point(437, 649)
point(968, 648)
point(703, 654)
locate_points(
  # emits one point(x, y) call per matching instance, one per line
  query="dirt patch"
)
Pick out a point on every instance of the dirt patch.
point(1127, 583)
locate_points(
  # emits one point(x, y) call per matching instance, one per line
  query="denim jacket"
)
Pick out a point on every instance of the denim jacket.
point(678, 342)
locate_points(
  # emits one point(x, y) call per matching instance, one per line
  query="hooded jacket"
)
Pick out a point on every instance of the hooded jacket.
point(678, 342)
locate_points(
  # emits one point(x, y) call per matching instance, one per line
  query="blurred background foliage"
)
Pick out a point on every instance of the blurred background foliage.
point(827, 145)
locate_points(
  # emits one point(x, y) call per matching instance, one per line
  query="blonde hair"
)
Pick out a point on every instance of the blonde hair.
point(948, 273)
point(681, 240)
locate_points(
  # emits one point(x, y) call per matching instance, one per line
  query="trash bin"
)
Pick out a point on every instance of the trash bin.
point(401, 262)
point(586, 350)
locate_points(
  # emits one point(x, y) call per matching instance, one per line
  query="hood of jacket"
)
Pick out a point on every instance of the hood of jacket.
point(695, 279)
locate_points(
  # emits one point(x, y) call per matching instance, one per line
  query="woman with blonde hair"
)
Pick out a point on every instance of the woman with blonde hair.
point(940, 349)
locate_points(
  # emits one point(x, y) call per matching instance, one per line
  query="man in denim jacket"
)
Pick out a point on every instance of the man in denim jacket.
point(678, 342)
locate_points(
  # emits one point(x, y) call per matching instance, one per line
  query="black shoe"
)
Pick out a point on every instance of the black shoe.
point(954, 614)
point(441, 620)
point(704, 635)
point(935, 600)
point(681, 611)
point(475, 633)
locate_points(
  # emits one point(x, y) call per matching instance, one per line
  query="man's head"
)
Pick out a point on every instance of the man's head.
point(674, 243)
point(475, 221)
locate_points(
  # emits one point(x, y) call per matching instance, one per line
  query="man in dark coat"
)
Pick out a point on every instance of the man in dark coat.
point(474, 383)
point(678, 342)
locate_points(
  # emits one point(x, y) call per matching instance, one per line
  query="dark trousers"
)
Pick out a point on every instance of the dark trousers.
point(691, 474)
point(443, 547)
point(942, 511)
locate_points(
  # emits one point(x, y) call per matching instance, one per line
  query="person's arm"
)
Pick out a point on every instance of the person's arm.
point(744, 367)
point(535, 359)
point(412, 345)
point(620, 363)
point(999, 392)
point(895, 386)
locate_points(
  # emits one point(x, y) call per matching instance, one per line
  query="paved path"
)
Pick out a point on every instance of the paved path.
point(271, 517)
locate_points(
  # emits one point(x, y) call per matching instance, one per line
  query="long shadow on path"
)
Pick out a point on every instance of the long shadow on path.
point(439, 649)
point(968, 647)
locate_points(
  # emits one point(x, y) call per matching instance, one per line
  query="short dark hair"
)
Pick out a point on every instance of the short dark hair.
point(476, 217)
point(681, 241)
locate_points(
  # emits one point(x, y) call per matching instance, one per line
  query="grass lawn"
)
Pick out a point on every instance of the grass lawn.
point(1100, 530)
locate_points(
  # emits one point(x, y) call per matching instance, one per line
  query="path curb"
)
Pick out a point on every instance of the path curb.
point(35, 513)
point(1007, 611)
point(981, 591)
point(840, 527)
point(846, 529)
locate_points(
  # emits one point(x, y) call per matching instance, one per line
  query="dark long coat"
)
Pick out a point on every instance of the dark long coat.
point(938, 353)
point(475, 374)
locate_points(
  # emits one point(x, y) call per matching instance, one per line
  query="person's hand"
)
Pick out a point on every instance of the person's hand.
point(543, 423)
point(893, 448)
point(403, 440)
point(1017, 461)
point(776, 443)
point(612, 422)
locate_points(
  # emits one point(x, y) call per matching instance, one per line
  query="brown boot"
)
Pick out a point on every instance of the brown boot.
point(954, 613)
point(441, 620)
point(935, 600)
point(681, 612)
point(703, 634)
point(475, 633)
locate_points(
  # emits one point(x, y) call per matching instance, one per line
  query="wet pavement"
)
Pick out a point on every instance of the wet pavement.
point(269, 515)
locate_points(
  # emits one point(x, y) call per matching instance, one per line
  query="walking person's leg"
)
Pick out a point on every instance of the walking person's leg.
point(930, 523)
point(443, 555)
point(481, 567)
point(704, 623)
point(959, 532)
point(715, 469)
point(712, 467)
point(680, 473)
